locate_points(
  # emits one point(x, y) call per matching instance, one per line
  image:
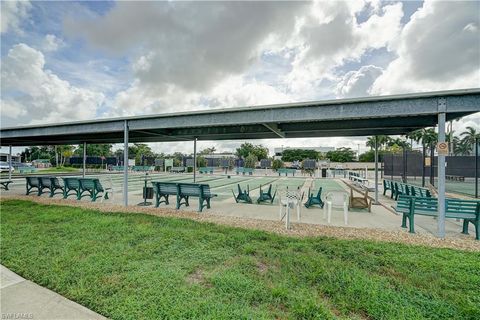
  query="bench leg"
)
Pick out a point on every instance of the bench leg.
point(404, 220)
point(477, 229)
point(465, 226)
point(411, 222)
point(94, 195)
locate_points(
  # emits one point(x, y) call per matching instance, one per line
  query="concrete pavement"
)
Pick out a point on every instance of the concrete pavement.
point(23, 299)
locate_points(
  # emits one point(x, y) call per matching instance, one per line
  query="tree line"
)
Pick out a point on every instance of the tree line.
point(462, 144)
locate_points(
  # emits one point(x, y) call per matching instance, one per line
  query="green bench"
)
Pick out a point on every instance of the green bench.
point(183, 192)
point(388, 186)
point(201, 191)
point(27, 169)
point(51, 184)
point(118, 168)
point(32, 183)
point(69, 185)
point(4, 184)
point(142, 168)
point(206, 170)
point(242, 195)
point(266, 196)
point(83, 187)
point(286, 171)
point(468, 210)
point(398, 188)
point(243, 170)
point(163, 190)
point(92, 188)
point(353, 175)
point(314, 199)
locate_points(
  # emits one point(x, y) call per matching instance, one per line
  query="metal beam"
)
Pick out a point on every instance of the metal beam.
point(274, 128)
point(345, 117)
point(125, 164)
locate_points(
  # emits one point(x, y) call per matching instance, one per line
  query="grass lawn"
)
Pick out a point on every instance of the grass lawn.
point(133, 266)
point(58, 170)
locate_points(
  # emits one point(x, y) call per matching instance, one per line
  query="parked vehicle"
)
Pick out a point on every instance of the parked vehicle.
point(17, 165)
point(5, 167)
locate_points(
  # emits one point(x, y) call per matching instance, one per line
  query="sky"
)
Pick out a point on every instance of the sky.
point(66, 61)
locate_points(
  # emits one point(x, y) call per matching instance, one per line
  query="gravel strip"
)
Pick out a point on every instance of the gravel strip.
point(466, 243)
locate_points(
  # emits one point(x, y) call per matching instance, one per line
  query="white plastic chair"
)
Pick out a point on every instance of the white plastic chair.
point(108, 187)
point(337, 199)
point(289, 199)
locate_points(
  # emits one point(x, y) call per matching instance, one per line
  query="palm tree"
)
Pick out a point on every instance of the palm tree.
point(382, 141)
point(370, 142)
point(463, 148)
point(399, 143)
point(414, 136)
point(429, 137)
point(455, 143)
point(470, 135)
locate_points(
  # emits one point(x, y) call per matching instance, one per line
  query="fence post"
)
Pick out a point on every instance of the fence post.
point(423, 164)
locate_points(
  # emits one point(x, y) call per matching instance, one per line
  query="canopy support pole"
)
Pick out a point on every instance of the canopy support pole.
point(376, 170)
point(10, 162)
point(441, 169)
point(195, 160)
point(125, 164)
point(476, 167)
point(84, 158)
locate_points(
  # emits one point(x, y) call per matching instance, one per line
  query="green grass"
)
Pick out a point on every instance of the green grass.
point(133, 266)
point(58, 170)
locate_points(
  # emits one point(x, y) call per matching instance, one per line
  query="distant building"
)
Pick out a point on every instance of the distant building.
point(279, 151)
point(4, 157)
point(220, 155)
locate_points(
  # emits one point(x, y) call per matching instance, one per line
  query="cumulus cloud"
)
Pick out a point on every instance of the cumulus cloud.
point(33, 94)
point(52, 43)
point(204, 55)
point(331, 36)
point(190, 45)
point(12, 14)
point(357, 83)
point(438, 49)
point(234, 91)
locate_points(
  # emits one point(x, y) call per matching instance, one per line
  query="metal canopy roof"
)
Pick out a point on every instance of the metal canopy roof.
point(391, 115)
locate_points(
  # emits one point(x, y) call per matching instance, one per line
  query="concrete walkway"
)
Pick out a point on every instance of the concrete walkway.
point(23, 299)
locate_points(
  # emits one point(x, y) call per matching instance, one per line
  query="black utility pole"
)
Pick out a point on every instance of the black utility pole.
point(423, 165)
point(391, 154)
